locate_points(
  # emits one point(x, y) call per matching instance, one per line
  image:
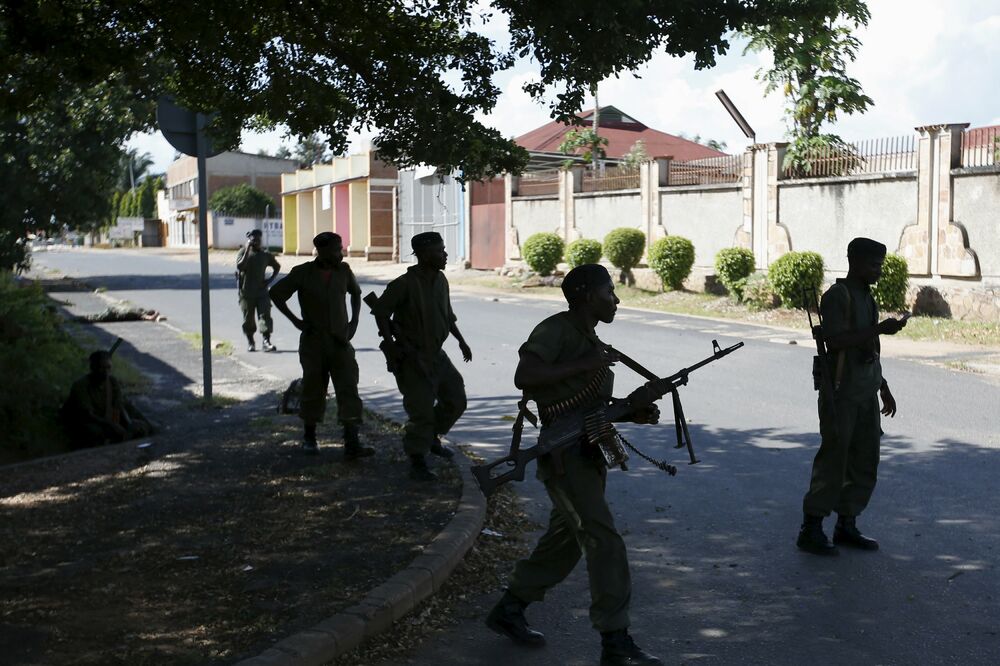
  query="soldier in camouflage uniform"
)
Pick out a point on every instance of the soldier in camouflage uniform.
point(414, 316)
point(845, 468)
point(325, 350)
point(251, 266)
point(561, 357)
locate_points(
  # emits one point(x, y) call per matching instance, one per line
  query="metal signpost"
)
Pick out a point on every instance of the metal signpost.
point(185, 131)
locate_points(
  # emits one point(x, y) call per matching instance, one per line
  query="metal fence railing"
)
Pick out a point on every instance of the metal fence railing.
point(981, 147)
point(611, 178)
point(898, 153)
point(706, 171)
point(538, 182)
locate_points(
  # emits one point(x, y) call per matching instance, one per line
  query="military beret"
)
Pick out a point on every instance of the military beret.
point(582, 279)
point(327, 238)
point(865, 247)
point(426, 239)
point(254, 232)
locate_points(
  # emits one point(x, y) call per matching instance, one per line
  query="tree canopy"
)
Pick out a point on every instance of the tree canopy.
point(419, 72)
point(78, 77)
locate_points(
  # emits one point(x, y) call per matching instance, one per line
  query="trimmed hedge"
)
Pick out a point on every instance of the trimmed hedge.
point(671, 258)
point(543, 251)
point(890, 290)
point(734, 265)
point(583, 251)
point(623, 248)
point(794, 271)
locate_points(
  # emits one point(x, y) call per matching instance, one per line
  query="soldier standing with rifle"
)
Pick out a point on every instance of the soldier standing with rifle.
point(325, 350)
point(414, 318)
point(252, 263)
point(562, 359)
point(845, 468)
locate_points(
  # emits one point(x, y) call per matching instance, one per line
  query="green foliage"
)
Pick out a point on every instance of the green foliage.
point(583, 251)
point(838, 157)
point(543, 251)
point(671, 258)
point(59, 158)
point(890, 290)
point(132, 166)
point(792, 272)
point(36, 351)
point(241, 200)
point(758, 293)
point(586, 143)
point(734, 265)
point(310, 150)
point(623, 247)
point(811, 49)
point(636, 155)
point(15, 255)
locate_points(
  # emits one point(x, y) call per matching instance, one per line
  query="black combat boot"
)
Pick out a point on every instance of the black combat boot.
point(440, 450)
point(507, 618)
point(419, 470)
point(812, 539)
point(251, 345)
point(846, 533)
point(267, 346)
point(618, 649)
point(352, 443)
point(309, 443)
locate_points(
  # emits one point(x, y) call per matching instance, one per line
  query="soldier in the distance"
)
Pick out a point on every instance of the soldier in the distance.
point(252, 262)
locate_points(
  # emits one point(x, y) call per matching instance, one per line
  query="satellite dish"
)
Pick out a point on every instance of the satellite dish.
point(180, 127)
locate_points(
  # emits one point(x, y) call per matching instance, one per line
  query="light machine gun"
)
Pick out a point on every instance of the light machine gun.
point(568, 429)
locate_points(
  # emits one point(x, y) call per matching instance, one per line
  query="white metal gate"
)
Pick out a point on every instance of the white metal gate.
point(429, 202)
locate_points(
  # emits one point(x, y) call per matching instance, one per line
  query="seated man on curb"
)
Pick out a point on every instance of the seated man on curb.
point(97, 412)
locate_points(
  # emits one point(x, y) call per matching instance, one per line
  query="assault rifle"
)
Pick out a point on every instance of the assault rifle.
point(391, 336)
point(567, 430)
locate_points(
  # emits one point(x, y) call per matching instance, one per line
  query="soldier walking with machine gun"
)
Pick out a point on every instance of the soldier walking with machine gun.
point(564, 364)
point(848, 375)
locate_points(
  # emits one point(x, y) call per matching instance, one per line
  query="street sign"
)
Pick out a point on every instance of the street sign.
point(185, 131)
point(180, 127)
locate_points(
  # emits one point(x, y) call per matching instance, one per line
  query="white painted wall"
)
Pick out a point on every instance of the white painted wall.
point(824, 215)
point(534, 215)
point(708, 217)
point(977, 208)
point(600, 212)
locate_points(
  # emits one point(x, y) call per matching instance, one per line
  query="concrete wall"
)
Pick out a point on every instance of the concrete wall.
point(533, 215)
point(822, 215)
point(977, 208)
point(600, 212)
point(229, 232)
point(707, 216)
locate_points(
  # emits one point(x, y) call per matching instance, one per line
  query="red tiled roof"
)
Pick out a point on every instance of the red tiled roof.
point(621, 136)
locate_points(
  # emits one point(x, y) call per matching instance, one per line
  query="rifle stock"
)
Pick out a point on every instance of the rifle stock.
point(568, 429)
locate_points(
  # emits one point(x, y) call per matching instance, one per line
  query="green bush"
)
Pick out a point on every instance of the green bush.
point(583, 251)
point(671, 258)
point(794, 271)
point(242, 200)
point(623, 248)
point(734, 265)
point(758, 294)
point(40, 362)
point(543, 251)
point(890, 290)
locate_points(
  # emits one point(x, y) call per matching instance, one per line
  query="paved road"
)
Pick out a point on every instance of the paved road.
point(716, 577)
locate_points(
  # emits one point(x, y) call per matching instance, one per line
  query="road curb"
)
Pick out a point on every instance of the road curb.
point(394, 598)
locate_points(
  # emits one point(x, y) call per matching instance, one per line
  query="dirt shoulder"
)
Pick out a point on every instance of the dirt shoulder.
point(214, 542)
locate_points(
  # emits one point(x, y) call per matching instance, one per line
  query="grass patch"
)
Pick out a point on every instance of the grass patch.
point(219, 347)
point(213, 403)
point(919, 328)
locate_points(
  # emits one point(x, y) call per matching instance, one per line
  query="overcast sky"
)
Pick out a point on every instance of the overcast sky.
point(921, 61)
